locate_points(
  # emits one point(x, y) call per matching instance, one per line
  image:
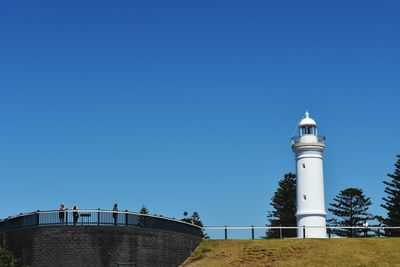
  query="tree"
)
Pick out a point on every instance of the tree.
point(284, 208)
point(7, 259)
point(350, 207)
point(144, 210)
point(144, 221)
point(185, 214)
point(392, 201)
point(196, 220)
point(186, 218)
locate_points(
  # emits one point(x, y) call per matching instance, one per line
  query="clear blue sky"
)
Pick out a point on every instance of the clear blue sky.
point(190, 105)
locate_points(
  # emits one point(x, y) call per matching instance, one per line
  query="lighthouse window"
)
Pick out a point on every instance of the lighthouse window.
point(308, 130)
point(304, 197)
point(313, 130)
point(304, 166)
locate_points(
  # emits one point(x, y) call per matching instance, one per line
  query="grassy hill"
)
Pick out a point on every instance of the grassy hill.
point(297, 252)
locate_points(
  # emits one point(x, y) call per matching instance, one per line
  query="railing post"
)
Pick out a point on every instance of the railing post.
point(379, 232)
point(126, 217)
point(37, 218)
point(329, 232)
point(226, 232)
point(252, 232)
point(280, 232)
point(98, 217)
point(66, 216)
point(304, 231)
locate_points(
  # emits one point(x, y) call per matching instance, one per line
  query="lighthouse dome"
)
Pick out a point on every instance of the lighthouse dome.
point(307, 120)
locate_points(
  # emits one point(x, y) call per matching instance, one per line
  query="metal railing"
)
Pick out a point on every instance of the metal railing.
point(319, 139)
point(287, 232)
point(97, 218)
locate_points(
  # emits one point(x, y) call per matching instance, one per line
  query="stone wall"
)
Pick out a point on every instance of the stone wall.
point(98, 246)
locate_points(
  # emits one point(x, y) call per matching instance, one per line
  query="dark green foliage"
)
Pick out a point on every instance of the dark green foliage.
point(185, 214)
point(350, 208)
point(186, 218)
point(284, 208)
point(7, 259)
point(144, 210)
point(144, 221)
point(392, 201)
point(194, 219)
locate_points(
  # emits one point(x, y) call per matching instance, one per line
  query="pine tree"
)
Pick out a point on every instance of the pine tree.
point(144, 221)
point(186, 218)
point(392, 201)
point(350, 207)
point(284, 205)
point(144, 210)
point(196, 220)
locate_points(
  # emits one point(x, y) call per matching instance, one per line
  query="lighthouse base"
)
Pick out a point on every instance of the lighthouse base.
point(315, 226)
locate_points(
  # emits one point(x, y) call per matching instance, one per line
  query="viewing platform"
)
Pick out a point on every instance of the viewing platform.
point(97, 218)
point(98, 238)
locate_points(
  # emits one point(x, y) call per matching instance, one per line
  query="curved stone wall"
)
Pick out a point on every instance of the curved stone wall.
point(98, 246)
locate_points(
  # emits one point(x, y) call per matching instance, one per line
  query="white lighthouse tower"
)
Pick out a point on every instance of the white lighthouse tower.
point(308, 147)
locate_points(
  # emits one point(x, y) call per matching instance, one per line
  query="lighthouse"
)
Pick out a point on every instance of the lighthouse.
point(308, 147)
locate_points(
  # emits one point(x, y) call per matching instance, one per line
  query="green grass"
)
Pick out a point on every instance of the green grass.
point(297, 252)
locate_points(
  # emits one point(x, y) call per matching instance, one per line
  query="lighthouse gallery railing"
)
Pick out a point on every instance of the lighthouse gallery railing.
point(297, 139)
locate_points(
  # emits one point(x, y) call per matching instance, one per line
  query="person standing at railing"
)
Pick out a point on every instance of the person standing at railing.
point(365, 224)
point(115, 214)
point(61, 213)
point(75, 214)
